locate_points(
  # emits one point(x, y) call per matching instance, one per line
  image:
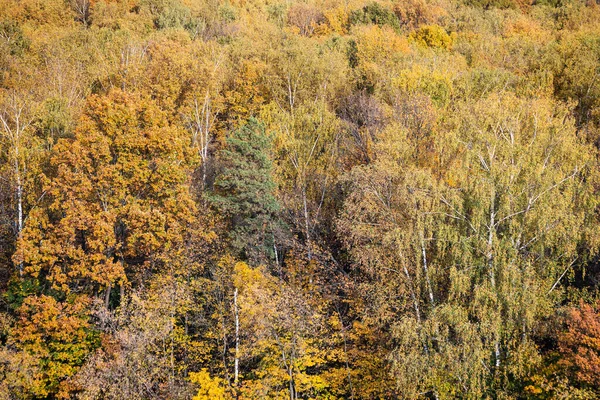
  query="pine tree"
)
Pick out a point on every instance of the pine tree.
point(244, 192)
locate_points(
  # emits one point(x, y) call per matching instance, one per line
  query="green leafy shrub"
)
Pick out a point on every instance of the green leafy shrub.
point(374, 13)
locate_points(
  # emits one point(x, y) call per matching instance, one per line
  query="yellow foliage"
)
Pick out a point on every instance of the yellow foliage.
point(245, 94)
point(211, 388)
point(434, 185)
point(436, 84)
point(337, 19)
point(433, 36)
point(526, 29)
point(414, 13)
point(377, 43)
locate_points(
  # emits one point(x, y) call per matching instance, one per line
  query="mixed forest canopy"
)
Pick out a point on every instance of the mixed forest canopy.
point(320, 199)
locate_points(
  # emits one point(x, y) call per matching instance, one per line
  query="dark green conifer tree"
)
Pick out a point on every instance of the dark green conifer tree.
point(244, 192)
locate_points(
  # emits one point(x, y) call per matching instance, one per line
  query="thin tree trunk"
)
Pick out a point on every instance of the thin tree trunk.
point(237, 338)
point(172, 344)
point(12, 125)
point(306, 224)
point(288, 366)
point(426, 270)
point(277, 259)
point(292, 389)
point(413, 295)
point(415, 299)
point(19, 204)
point(411, 287)
point(497, 353)
point(19, 216)
point(490, 243)
point(19, 195)
point(107, 295)
point(490, 262)
point(343, 329)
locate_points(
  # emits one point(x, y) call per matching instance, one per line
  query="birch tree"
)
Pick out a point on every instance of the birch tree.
point(480, 252)
point(21, 151)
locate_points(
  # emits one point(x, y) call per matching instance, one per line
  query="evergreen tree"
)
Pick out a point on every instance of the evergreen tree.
point(244, 193)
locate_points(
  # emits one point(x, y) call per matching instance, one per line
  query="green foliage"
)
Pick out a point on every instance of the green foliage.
point(227, 13)
point(19, 289)
point(174, 16)
point(244, 191)
point(374, 13)
point(352, 54)
point(575, 69)
point(12, 35)
point(437, 86)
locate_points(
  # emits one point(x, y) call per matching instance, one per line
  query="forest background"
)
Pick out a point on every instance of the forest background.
point(321, 199)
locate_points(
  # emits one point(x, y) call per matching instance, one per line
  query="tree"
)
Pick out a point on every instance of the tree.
point(118, 201)
point(21, 153)
point(474, 248)
point(202, 113)
point(244, 192)
point(59, 336)
point(522, 191)
point(579, 345)
point(142, 345)
point(412, 220)
point(210, 388)
point(117, 204)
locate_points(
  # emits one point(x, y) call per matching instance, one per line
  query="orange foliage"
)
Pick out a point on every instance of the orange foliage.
point(119, 198)
point(580, 343)
point(57, 334)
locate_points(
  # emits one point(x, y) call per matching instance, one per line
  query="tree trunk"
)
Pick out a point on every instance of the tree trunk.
point(490, 243)
point(107, 296)
point(237, 339)
point(426, 270)
point(306, 224)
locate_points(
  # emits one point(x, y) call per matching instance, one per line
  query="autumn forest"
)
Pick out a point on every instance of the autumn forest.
point(317, 199)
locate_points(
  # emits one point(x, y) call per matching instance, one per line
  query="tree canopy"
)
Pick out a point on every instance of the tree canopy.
point(315, 199)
